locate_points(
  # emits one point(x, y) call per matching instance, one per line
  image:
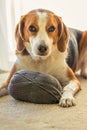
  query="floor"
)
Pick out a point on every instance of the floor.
point(17, 115)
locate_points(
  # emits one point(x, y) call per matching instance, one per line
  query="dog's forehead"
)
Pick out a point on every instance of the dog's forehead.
point(41, 14)
point(42, 18)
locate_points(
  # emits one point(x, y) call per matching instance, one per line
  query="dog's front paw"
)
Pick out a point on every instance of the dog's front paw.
point(3, 90)
point(67, 100)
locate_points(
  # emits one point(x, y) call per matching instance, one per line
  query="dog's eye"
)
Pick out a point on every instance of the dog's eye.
point(51, 29)
point(32, 28)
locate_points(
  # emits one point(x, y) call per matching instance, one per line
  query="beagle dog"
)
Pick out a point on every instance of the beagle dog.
point(42, 40)
point(77, 51)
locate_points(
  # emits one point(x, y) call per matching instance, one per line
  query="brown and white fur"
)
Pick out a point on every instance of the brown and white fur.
point(77, 51)
point(82, 61)
point(42, 40)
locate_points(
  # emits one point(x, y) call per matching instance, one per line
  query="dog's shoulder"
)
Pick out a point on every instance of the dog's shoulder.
point(73, 47)
point(76, 34)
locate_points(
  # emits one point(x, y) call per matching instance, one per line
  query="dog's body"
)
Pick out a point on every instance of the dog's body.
point(73, 48)
point(77, 51)
point(42, 43)
point(82, 61)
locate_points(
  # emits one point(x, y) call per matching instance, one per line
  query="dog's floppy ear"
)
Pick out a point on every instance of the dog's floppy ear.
point(63, 35)
point(19, 41)
point(23, 28)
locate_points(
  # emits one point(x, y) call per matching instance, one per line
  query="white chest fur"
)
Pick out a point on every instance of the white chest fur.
point(54, 65)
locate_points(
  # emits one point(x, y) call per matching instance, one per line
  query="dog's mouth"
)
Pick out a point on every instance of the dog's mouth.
point(43, 53)
point(39, 56)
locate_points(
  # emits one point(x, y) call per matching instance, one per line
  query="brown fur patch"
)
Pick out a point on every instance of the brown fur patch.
point(19, 41)
point(25, 22)
point(63, 41)
point(82, 62)
point(72, 76)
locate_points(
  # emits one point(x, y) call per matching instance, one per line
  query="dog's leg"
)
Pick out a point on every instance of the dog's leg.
point(84, 70)
point(4, 85)
point(69, 91)
point(84, 65)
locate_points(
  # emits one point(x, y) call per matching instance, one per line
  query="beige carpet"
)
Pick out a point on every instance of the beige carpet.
point(17, 115)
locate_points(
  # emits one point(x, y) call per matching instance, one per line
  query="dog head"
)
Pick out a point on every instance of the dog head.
point(39, 31)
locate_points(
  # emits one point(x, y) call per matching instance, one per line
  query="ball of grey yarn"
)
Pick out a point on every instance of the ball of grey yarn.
point(35, 87)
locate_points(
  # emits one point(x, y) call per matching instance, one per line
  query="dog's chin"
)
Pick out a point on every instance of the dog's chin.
point(40, 56)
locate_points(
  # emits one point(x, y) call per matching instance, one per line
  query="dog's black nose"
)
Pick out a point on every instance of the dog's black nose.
point(42, 48)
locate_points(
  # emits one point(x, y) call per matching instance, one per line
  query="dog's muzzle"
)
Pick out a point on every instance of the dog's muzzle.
point(42, 49)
